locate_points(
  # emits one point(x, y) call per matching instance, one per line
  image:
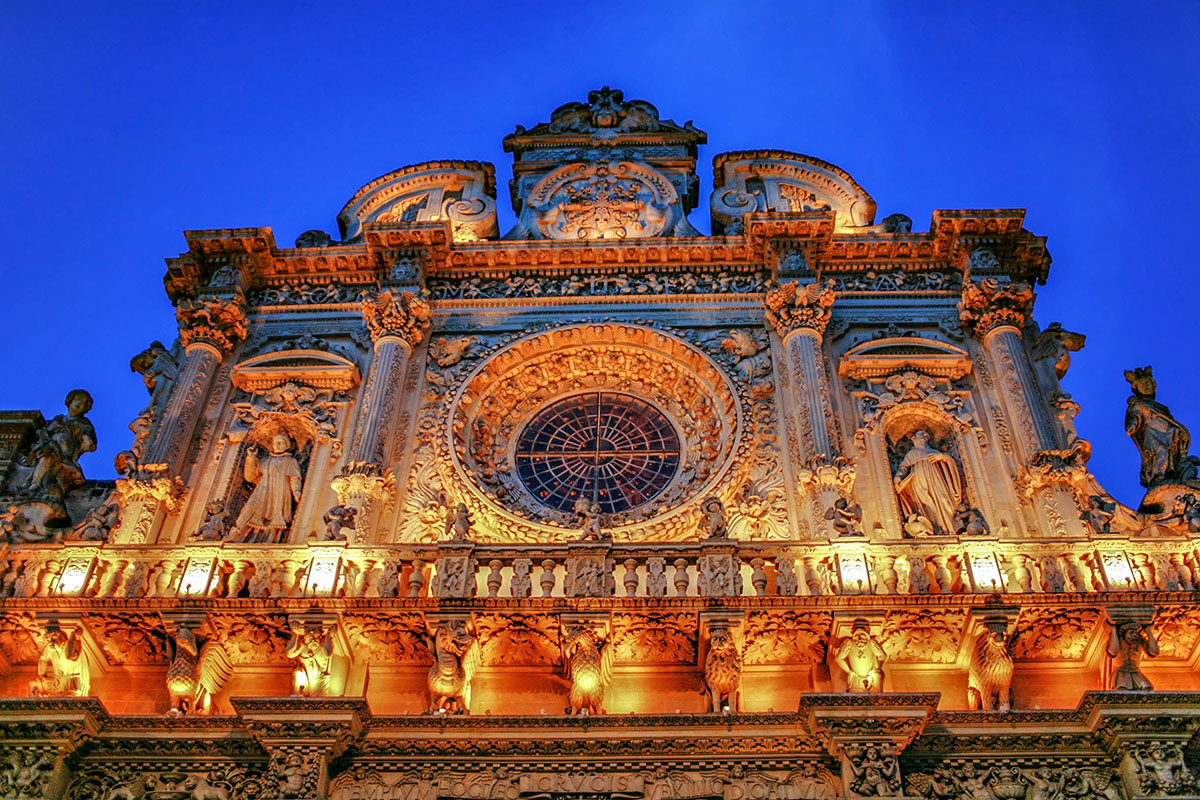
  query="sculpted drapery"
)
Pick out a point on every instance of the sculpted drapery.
point(928, 484)
point(277, 483)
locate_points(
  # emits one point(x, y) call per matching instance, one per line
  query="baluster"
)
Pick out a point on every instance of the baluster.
point(494, 577)
point(1021, 575)
point(885, 574)
point(681, 577)
point(547, 580)
point(1185, 572)
point(758, 578)
point(416, 578)
point(941, 574)
point(1075, 573)
point(631, 577)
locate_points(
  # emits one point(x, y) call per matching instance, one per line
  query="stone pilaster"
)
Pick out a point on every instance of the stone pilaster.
point(798, 315)
point(302, 735)
point(210, 328)
point(398, 321)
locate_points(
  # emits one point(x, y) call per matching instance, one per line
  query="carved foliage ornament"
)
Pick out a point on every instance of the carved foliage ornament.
point(217, 321)
point(791, 306)
point(397, 314)
point(989, 304)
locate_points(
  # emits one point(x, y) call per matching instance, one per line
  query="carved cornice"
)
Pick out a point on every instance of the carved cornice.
point(989, 304)
point(397, 314)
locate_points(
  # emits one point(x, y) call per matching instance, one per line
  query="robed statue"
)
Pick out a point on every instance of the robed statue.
point(929, 485)
point(1162, 441)
point(58, 446)
point(277, 483)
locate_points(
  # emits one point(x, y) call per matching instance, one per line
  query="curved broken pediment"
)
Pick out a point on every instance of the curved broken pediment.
point(749, 181)
point(887, 356)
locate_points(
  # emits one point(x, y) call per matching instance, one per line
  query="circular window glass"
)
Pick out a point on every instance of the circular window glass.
point(611, 448)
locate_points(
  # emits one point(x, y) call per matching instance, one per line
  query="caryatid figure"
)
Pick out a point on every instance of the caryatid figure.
point(1127, 642)
point(277, 483)
point(862, 659)
point(928, 484)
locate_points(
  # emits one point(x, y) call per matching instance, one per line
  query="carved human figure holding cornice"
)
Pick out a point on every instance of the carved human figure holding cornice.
point(58, 446)
point(929, 484)
point(313, 675)
point(862, 659)
point(1161, 439)
point(277, 484)
point(1128, 641)
point(62, 669)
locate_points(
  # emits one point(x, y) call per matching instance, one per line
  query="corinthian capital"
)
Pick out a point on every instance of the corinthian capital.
point(217, 321)
point(399, 314)
point(988, 304)
point(792, 306)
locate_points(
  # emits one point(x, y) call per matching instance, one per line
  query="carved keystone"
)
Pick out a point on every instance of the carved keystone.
point(302, 735)
point(867, 734)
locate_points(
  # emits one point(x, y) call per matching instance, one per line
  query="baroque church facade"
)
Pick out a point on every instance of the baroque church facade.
point(601, 508)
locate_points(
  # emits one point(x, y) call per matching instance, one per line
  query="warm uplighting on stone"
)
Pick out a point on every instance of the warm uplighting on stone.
point(602, 509)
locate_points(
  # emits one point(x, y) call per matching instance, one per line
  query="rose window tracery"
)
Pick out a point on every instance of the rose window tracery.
point(613, 449)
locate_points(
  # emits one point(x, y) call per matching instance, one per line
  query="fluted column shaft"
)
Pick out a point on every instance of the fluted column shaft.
point(184, 406)
point(373, 423)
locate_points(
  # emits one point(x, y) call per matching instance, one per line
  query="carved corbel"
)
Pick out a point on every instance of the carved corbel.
point(320, 655)
point(302, 735)
point(867, 733)
point(455, 647)
point(989, 663)
point(721, 646)
point(42, 739)
point(588, 658)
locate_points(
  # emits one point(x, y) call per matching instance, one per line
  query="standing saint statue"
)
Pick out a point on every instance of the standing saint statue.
point(277, 483)
point(1161, 440)
point(929, 485)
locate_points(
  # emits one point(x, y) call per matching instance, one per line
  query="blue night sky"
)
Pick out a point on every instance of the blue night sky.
point(125, 125)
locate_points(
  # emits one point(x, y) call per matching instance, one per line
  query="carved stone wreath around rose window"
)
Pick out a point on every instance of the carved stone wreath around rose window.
point(668, 399)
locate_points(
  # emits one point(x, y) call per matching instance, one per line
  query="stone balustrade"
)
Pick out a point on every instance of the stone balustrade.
point(849, 567)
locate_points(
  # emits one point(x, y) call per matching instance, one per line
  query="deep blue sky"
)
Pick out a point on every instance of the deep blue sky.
point(124, 125)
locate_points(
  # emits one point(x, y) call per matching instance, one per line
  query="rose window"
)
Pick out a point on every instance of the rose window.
point(610, 448)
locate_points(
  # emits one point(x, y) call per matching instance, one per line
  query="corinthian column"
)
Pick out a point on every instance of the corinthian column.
point(798, 314)
point(994, 313)
point(398, 321)
point(210, 328)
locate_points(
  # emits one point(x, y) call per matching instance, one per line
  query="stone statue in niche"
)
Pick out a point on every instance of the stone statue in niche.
point(862, 659)
point(847, 519)
point(277, 482)
point(56, 451)
point(929, 485)
point(62, 668)
point(1162, 441)
point(1128, 641)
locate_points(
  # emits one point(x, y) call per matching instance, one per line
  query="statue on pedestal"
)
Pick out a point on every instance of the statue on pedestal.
point(1161, 440)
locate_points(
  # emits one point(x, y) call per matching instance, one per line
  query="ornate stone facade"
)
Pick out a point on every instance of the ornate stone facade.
point(602, 509)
